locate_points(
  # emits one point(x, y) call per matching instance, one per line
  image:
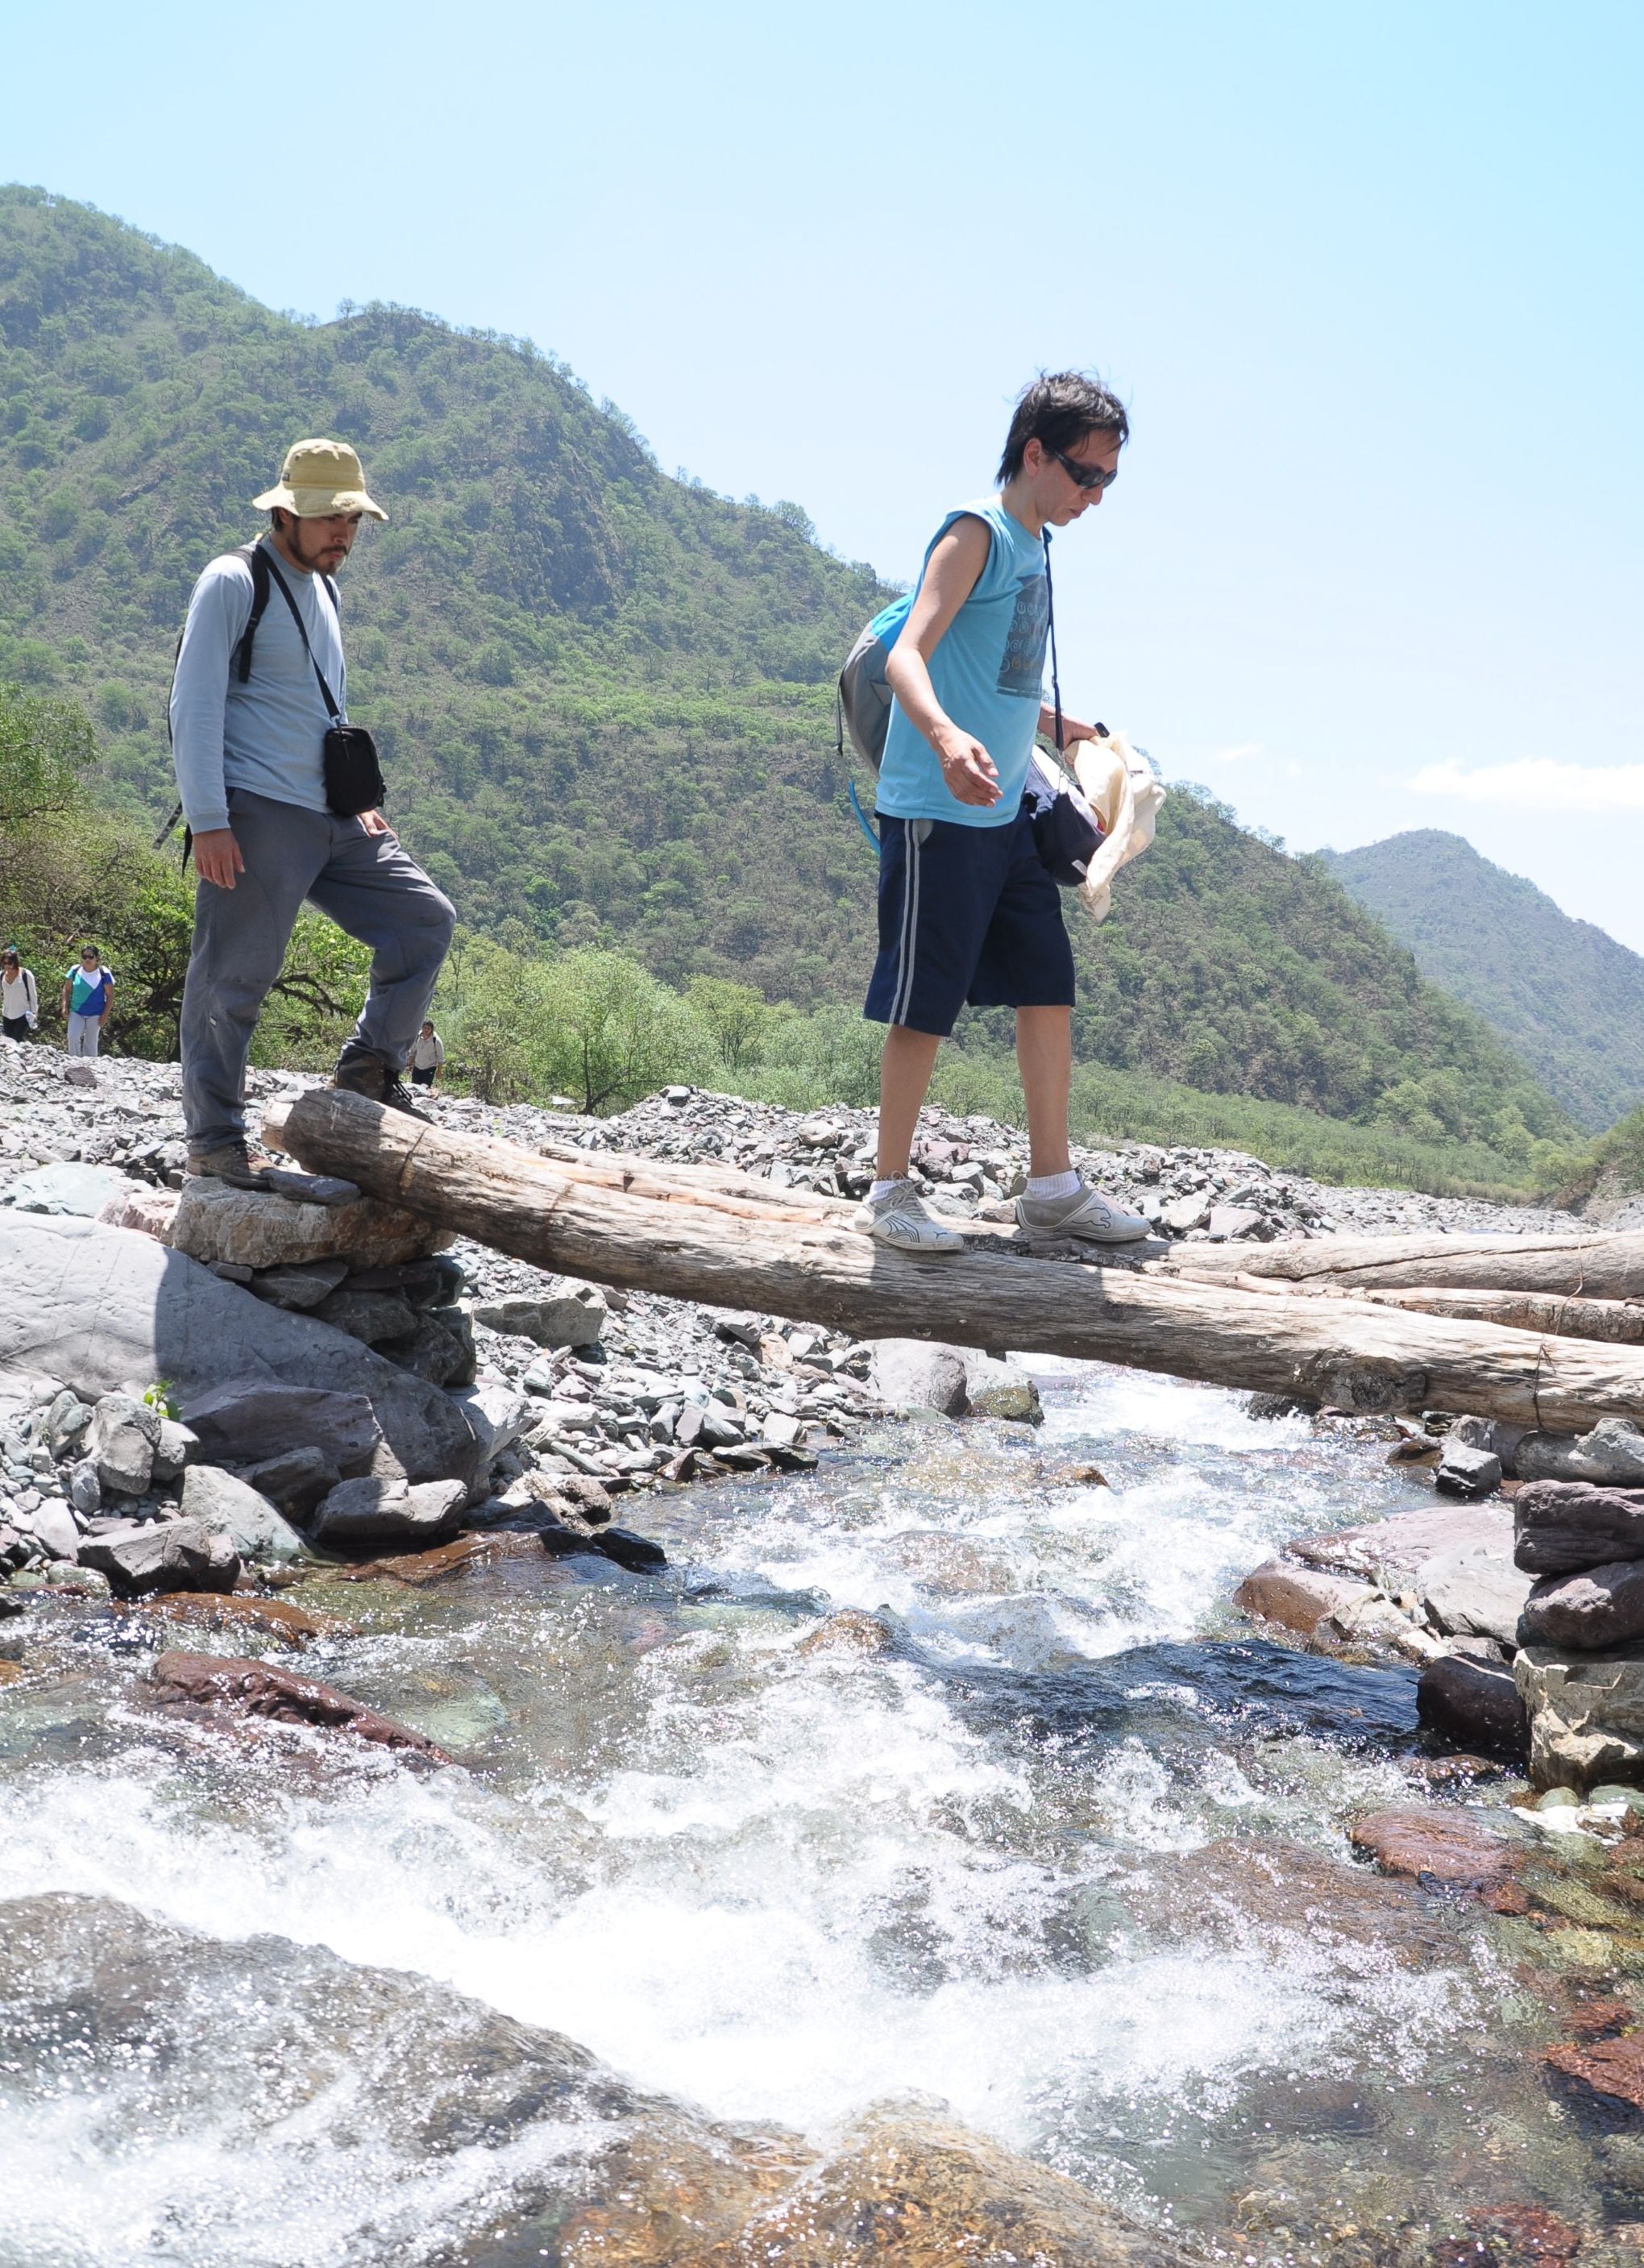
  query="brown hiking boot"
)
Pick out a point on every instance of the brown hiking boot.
point(230, 1162)
point(366, 1074)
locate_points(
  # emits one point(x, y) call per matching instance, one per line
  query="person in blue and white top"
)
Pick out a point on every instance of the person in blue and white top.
point(968, 912)
point(88, 994)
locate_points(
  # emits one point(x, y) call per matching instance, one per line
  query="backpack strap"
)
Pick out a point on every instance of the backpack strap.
point(239, 661)
point(1050, 609)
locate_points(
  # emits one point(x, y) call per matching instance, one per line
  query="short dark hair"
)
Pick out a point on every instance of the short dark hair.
point(1058, 409)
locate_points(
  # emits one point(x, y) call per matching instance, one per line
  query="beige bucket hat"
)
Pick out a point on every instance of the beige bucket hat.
point(318, 479)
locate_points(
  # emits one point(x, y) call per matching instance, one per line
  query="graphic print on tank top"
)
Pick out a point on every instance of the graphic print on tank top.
point(1021, 668)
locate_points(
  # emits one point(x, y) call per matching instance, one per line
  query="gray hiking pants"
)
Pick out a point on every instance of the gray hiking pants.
point(364, 882)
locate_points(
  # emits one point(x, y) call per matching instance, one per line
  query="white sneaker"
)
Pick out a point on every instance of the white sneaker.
point(1087, 1214)
point(899, 1221)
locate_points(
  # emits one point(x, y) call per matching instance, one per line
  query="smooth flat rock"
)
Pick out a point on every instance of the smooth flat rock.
point(215, 1222)
point(102, 1304)
point(1399, 1545)
point(165, 1555)
point(1611, 1456)
point(1299, 1598)
point(1474, 1593)
point(1560, 1527)
point(1434, 1845)
point(1595, 1610)
point(66, 1186)
point(301, 1289)
point(1474, 1704)
point(274, 1618)
point(920, 1374)
point(1586, 1715)
point(253, 1526)
point(256, 1689)
point(373, 1515)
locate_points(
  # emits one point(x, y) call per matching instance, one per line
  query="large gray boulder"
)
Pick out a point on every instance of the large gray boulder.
point(66, 1186)
point(1594, 1610)
point(1474, 1593)
point(101, 1305)
point(215, 1500)
point(379, 1515)
point(1611, 1456)
point(920, 1374)
point(163, 1555)
point(1560, 1527)
point(247, 1420)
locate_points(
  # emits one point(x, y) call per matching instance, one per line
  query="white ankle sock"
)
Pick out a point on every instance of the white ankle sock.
point(1053, 1185)
point(883, 1188)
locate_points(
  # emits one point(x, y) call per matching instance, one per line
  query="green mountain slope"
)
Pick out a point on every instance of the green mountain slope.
point(1565, 996)
point(604, 696)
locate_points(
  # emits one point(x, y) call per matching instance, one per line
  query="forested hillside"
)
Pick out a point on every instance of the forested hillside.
point(605, 696)
point(1567, 997)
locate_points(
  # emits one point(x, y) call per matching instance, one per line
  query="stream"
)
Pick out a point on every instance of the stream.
point(942, 1778)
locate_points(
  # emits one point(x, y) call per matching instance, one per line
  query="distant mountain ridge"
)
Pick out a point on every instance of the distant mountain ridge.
point(1563, 993)
point(604, 696)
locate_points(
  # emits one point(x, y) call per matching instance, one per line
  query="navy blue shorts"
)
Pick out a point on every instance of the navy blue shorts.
point(966, 915)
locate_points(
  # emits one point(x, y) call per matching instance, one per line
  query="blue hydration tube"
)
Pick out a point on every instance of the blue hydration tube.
point(862, 818)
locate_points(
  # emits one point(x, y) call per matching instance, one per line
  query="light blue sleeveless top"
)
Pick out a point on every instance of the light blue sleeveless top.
point(988, 674)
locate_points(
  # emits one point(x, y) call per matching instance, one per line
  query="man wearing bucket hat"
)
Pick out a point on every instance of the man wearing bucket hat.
point(258, 713)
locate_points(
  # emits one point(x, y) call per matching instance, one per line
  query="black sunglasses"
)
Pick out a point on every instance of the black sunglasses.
point(1087, 477)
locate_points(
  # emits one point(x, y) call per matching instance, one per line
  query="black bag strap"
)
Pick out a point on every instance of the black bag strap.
point(1050, 609)
point(302, 632)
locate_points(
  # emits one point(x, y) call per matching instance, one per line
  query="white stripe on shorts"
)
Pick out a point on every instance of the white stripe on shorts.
point(910, 922)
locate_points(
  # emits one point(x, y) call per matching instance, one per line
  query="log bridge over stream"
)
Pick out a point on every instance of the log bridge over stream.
point(1545, 1332)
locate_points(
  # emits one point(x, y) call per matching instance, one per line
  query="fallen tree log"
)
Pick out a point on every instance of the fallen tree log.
point(672, 1182)
point(1595, 1267)
point(1356, 1357)
point(1617, 1322)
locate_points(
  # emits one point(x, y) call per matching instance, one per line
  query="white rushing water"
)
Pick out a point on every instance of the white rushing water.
point(783, 1880)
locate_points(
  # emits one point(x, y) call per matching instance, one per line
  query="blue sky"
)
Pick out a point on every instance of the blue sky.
point(1368, 277)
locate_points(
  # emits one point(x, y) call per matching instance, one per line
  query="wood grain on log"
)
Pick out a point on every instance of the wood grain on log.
point(1596, 1267)
point(1354, 1356)
point(1617, 1323)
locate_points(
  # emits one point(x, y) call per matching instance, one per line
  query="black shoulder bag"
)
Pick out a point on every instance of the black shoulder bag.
point(1065, 830)
point(353, 777)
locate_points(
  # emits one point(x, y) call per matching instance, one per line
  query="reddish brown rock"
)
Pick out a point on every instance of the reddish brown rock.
point(1560, 1527)
point(1434, 1846)
point(203, 1610)
point(446, 1559)
point(1614, 2068)
point(1592, 1610)
point(255, 1688)
point(1297, 1598)
point(1403, 1543)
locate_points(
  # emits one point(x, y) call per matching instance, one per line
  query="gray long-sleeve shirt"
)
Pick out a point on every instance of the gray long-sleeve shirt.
point(268, 733)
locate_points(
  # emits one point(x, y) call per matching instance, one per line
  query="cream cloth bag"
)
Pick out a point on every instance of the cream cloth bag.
point(1120, 788)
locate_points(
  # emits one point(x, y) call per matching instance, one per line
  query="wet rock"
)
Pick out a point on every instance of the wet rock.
point(375, 1514)
point(294, 1482)
point(637, 1553)
point(274, 1618)
point(1474, 1593)
point(589, 1497)
point(433, 1565)
point(1001, 1389)
point(850, 1630)
point(1594, 1610)
point(1269, 1407)
point(1299, 1598)
point(216, 1499)
point(920, 1374)
point(1466, 1471)
point(1476, 1704)
point(566, 1314)
point(1611, 2068)
point(299, 1289)
point(1560, 1527)
point(215, 1222)
point(120, 1442)
point(249, 1420)
point(1434, 1846)
point(1586, 1715)
point(371, 1317)
point(1398, 1546)
point(256, 1689)
point(165, 1555)
point(1611, 1456)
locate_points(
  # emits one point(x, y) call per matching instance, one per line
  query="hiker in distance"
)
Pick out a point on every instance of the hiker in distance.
point(19, 997)
point(968, 912)
point(88, 996)
point(279, 793)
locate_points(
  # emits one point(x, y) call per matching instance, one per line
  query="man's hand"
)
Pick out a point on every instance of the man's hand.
point(217, 856)
point(374, 824)
point(966, 768)
point(1071, 728)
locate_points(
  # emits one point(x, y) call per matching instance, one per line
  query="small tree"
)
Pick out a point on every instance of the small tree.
point(738, 1017)
point(607, 1033)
